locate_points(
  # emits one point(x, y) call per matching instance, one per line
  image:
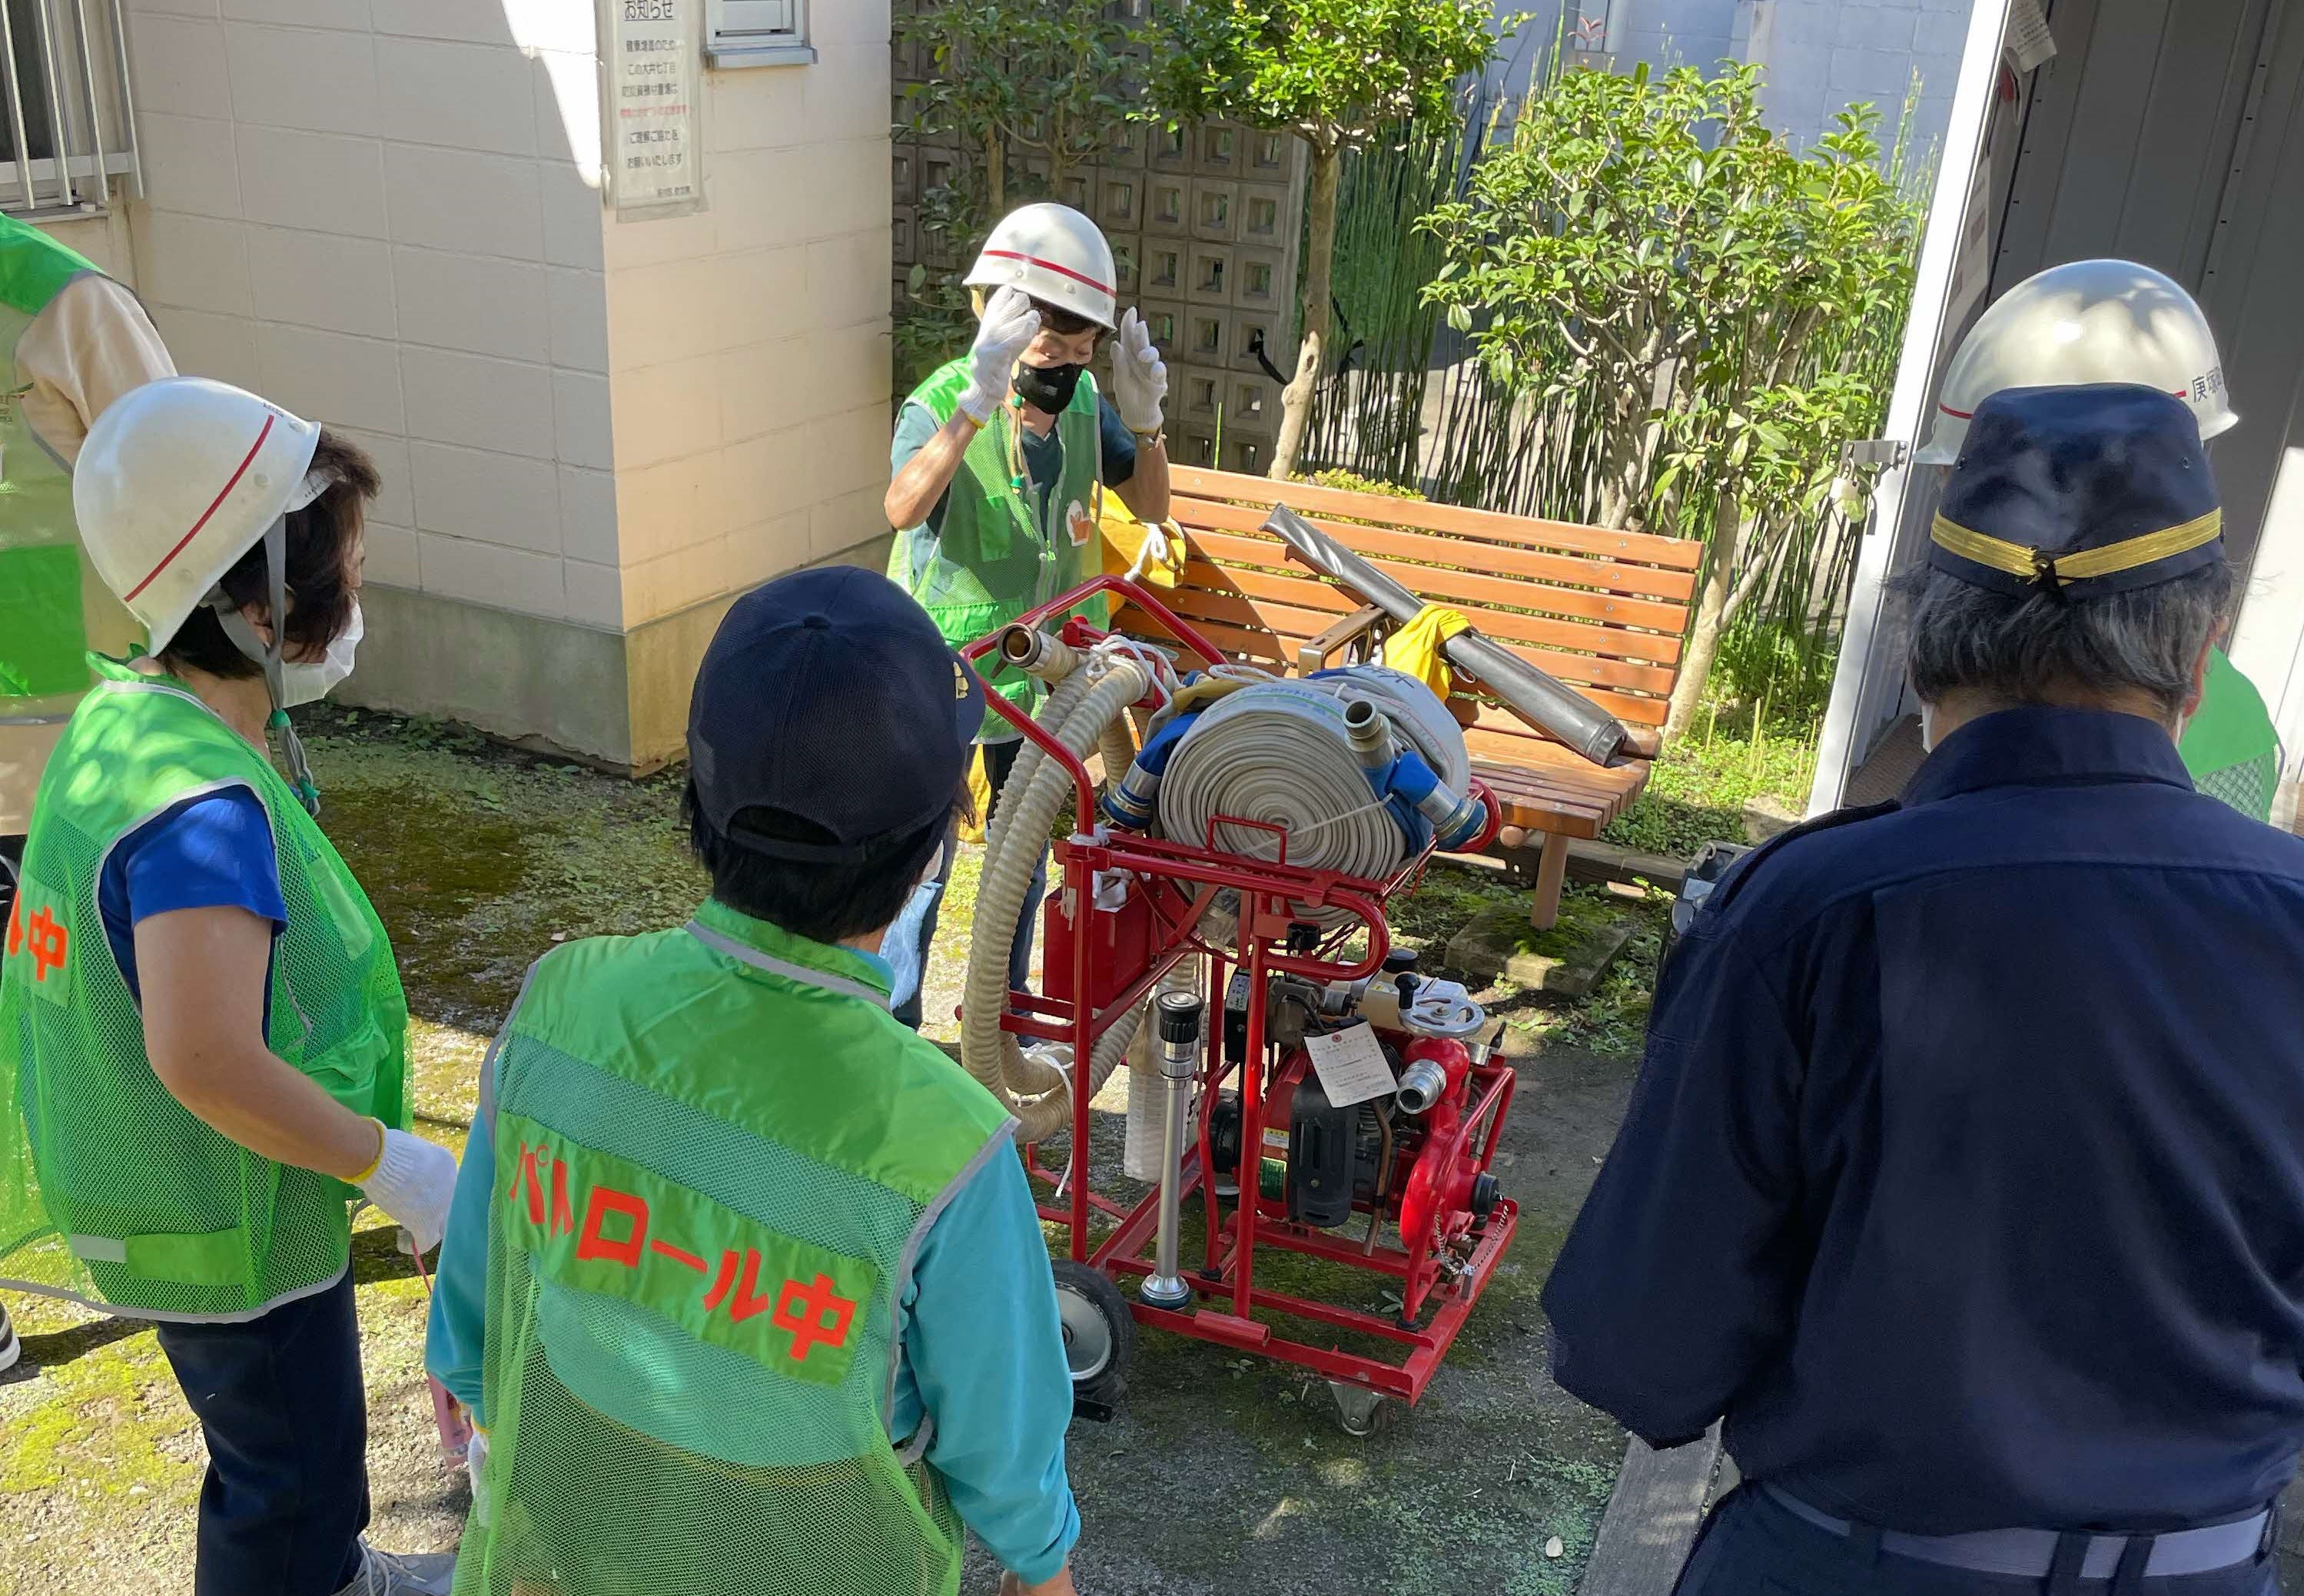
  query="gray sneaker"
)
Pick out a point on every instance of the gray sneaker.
point(394, 1573)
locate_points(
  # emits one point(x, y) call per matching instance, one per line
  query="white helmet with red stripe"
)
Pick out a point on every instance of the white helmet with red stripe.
point(1056, 256)
point(2089, 321)
point(176, 481)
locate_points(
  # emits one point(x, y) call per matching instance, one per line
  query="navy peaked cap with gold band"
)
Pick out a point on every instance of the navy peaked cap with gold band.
point(2080, 491)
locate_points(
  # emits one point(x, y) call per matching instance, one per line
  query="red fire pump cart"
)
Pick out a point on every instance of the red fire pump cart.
point(1412, 1164)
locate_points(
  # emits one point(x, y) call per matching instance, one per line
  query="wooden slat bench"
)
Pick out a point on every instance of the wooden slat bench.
point(1601, 611)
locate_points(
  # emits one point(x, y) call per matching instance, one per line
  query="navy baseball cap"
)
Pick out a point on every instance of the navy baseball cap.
point(830, 696)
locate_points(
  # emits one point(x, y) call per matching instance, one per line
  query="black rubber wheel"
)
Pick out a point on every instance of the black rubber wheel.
point(1099, 1337)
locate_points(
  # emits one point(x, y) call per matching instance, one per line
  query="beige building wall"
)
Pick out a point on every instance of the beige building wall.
point(104, 238)
point(748, 356)
point(385, 215)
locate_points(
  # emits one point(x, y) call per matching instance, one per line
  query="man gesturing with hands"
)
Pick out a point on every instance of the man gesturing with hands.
point(999, 461)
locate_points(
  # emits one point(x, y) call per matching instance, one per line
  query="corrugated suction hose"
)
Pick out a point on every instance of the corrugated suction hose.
point(1090, 699)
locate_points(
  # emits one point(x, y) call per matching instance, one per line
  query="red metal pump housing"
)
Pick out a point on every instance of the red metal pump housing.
point(1397, 1187)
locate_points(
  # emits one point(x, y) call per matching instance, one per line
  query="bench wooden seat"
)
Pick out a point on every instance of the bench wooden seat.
point(1601, 610)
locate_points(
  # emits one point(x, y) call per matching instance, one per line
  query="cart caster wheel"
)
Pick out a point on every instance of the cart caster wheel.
point(1359, 1407)
point(1099, 1338)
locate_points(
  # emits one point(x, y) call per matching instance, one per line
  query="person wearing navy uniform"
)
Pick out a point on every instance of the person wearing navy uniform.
point(1964, 1176)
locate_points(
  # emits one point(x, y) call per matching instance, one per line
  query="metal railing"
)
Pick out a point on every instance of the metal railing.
point(67, 126)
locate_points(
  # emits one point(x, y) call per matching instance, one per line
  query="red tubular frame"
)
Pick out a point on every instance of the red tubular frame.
point(1182, 880)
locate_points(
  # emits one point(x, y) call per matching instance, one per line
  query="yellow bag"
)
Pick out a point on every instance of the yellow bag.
point(1153, 555)
point(1415, 648)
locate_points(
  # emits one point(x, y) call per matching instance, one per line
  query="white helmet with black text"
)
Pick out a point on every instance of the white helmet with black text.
point(2088, 321)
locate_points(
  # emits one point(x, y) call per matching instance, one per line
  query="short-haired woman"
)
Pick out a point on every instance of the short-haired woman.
point(202, 1036)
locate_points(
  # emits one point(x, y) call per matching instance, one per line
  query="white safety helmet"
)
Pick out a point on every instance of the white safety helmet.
point(175, 482)
point(2090, 321)
point(1056, 256)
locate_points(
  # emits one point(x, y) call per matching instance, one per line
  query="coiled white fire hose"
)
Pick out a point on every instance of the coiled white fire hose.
point(1087, 706)
point(1280, 753)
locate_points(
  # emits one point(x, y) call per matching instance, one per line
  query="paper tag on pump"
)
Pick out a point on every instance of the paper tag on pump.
point(1351, 1065)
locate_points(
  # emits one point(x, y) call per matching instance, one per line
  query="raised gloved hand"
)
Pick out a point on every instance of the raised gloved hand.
point(1009, 327)
point(413, 1181)
point(1140, 378)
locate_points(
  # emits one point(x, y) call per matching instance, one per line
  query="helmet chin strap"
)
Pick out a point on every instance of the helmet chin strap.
point(245, 638)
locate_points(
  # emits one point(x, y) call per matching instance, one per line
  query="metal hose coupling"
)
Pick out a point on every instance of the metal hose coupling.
point(1370, 731)
point(1455, 821)
point(1421, 1083)
point(1038, 653)
point(1134, 801)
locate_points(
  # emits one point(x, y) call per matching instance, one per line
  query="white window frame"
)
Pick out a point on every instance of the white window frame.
point(726, 43)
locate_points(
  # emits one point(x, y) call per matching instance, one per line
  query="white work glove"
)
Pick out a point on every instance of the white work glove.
point(1140, 378)
point(476, 1460)
point(412, 1182)
point(1009, 327)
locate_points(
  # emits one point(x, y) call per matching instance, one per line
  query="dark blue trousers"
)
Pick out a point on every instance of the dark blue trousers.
point(1751, 1546)
point(281, 1404)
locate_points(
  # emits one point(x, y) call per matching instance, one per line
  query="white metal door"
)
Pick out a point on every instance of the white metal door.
point(1869, 680)
point(2254, 294)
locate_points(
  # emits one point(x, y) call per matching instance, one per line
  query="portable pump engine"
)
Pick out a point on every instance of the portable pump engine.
point(1404, 1159)
point(1324, 1098)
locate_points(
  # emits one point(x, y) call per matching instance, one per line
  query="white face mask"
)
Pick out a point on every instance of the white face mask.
point(309, 683)
point(1927, 729)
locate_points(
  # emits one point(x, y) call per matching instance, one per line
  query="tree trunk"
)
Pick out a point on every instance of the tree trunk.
point(1296, 408)
point(1320, 260)
point(995, 174)
point(1711, 616)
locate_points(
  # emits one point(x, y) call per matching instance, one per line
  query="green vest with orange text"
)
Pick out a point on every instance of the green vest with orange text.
point(717, 1156)
point(111, 1192)
point(986, 562)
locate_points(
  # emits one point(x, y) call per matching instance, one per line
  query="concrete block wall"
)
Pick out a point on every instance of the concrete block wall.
point(387, 215)
point(1204, 226)
point(1821, 54)
point(1699, 33)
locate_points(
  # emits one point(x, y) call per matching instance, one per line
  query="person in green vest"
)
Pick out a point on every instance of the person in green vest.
point(75, 340)
point(743, 1288)
point(998, 461)
point(2117, 321)
point(203, 1042)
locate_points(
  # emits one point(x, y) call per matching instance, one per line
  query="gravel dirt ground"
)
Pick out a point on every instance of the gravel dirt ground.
point(1221, 1472)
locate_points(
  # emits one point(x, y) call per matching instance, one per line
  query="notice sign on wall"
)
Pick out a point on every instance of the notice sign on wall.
point(650, 121)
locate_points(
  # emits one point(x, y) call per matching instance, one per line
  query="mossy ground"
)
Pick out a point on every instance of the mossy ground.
point(1222, 1473)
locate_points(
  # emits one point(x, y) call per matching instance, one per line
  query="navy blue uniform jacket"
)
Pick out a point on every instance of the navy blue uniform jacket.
point(1965, 1170)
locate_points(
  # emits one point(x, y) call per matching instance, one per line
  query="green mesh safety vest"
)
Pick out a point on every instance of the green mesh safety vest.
point(111, 1192)
point(43, 640)
point(989, 562)
point(2229, 745)
point(717, 1154)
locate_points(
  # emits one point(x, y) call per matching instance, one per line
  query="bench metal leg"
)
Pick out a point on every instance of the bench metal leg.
point(1551, 872)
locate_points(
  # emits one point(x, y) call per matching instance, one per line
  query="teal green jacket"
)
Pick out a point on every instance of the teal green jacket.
point(993, 1378)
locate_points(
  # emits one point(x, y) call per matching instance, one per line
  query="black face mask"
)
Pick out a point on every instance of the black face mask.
point(1047, 389)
